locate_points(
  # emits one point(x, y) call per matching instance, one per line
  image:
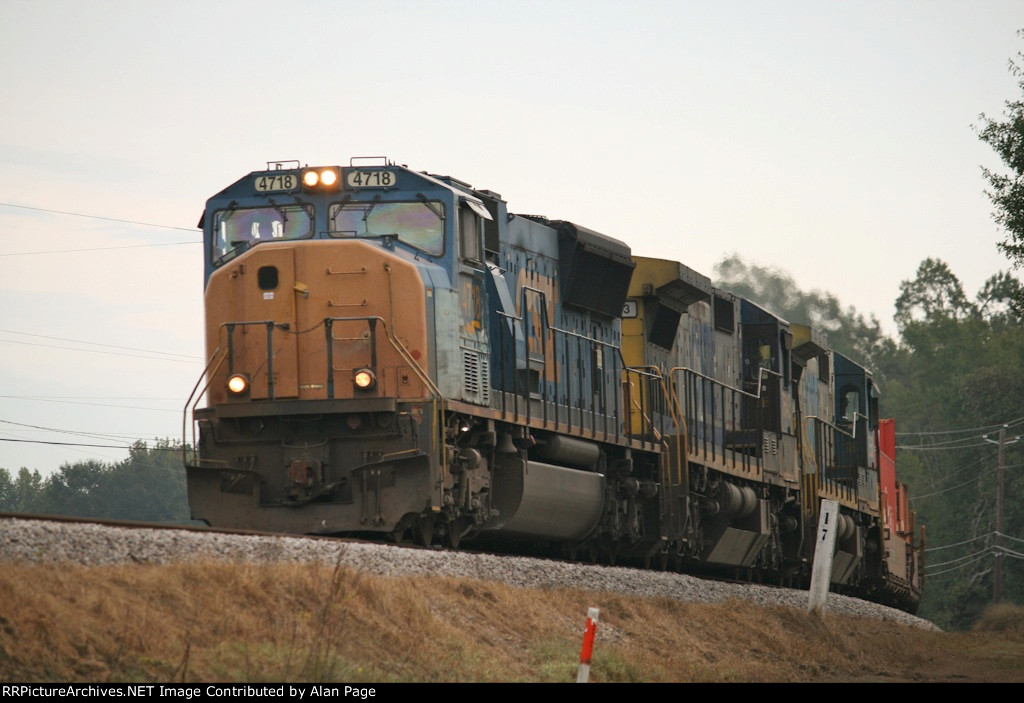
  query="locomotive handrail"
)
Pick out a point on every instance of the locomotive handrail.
point(623, 368)
point(229, 356)
point(760, 376)
point(761, 373)
point(810, 480)
point(677, 419)
point(545, 325)
point(208, 375)
point(820, 471)
point(569, 334)
point(407, 357)
point(836, 427)
point(270, 325)
point(640, 372)
point(549, 328)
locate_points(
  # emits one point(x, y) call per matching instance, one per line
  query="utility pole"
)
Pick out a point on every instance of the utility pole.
point(997, 570)
point(997, 566)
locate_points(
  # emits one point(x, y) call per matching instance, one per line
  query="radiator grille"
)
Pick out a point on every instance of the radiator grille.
point(475, 385)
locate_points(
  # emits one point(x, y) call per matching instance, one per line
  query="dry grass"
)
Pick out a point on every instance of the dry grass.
point(312, 622)
point(1002, 617)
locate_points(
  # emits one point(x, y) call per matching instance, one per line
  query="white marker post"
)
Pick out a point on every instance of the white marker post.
point(583, 673)
point(821, 569)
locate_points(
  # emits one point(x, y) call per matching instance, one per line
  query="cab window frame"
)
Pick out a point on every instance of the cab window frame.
point(220, 255)
point(335, 208)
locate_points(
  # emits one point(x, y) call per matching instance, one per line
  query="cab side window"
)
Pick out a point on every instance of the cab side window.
point(469, 235)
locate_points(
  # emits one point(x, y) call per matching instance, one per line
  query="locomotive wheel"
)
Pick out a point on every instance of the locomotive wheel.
point(454, 530)
point(423, 530)
point(401, 531)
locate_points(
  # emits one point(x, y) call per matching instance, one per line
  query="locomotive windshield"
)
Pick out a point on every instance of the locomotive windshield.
point(235, 230)
point(419, 224)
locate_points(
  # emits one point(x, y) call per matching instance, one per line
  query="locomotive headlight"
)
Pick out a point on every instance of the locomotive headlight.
point(364, 379)
point(328, 177)
point(321, 178)
point(238, 384)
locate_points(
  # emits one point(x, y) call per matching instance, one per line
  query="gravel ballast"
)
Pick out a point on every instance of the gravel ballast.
point(85, 544)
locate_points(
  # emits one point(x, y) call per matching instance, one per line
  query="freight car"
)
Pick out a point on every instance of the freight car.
point(394, 353)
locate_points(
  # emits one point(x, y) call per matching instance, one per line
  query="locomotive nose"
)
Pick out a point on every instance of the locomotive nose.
point(317, 320)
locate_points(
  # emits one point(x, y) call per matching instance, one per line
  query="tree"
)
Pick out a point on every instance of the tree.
point(960, 373)
point(21, 494)
point(1006, 191)
point(148, 485)
point(934, 294)
point(997, 297)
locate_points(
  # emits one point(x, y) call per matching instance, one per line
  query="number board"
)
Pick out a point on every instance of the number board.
point(371, 179)
point(629, 308)
point(266, 183)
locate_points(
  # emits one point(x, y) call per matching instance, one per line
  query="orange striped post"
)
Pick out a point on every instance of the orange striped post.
point(583, 673)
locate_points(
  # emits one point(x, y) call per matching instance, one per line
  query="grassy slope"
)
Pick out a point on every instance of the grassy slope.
point(310, 622)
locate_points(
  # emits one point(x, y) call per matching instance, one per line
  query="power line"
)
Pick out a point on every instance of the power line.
point(1010, 553)
point(99, 435)
point(957, 544)
point(99, 344)
point(953, 561)
point(67, 444)
point(113, 436)
point(946, 490)
point(193, 360)
point(918, 447)
point(105, 446)
point(969, 429)
point(961, 470)
point(71, 251)
point(946, 571)
point(996, 551)
point(955, 568)
point(89, 397)
point(97, 217)
point(95, 405)
point(943, 442)
point(987, 535)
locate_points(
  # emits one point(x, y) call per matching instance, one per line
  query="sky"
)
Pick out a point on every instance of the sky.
point(830, 139)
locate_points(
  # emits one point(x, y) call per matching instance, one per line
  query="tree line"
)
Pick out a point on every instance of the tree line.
point(148, 485)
